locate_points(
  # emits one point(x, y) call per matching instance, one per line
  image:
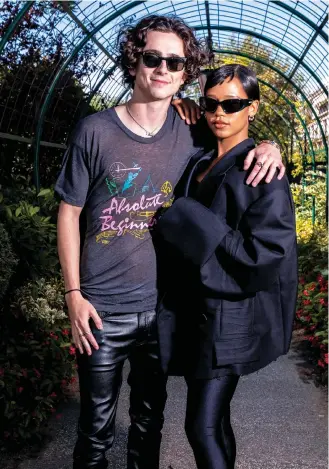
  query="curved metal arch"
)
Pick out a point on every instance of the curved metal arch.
point(14, 24)
point(255, 134)
point(302, 17)
point(91, 34)
point(60, 72)
point(275, 69)
point(293, 107)
point(291, 127)
point(248, 32)
point(276, 137)
point(105, 76)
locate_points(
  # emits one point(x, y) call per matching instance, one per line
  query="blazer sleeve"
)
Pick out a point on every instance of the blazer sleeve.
point(249, 257)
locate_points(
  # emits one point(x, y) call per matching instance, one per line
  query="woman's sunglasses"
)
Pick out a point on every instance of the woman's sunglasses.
point(153, 60)
point(229, 106)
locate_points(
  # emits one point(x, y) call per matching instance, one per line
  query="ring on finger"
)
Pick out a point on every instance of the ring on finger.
point(260, 164)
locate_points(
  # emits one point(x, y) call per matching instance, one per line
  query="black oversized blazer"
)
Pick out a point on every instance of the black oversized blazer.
point(229, 304)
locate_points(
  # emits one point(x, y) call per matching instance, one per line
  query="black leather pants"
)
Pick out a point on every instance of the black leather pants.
point(132, 336)
point(208, 422)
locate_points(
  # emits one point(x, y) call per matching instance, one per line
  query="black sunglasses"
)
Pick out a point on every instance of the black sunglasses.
point(229, 106)
point(153, 60)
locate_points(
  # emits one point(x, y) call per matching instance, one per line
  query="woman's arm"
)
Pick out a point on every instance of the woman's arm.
point(249, 259)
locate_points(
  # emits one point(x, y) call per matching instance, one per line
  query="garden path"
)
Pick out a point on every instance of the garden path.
point(279, 415)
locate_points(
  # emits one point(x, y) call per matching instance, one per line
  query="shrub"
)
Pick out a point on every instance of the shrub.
point(42, 300)
point(32, 225)
point(312, 301)
point(38, 361)
point(8, 261)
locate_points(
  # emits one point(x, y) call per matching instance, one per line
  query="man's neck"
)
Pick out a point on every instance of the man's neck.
point(149, 114)
point(141, 115)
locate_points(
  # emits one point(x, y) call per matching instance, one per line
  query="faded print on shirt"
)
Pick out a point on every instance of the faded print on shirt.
point(133, 204)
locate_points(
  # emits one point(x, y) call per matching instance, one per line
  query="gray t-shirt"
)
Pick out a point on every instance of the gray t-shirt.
point(121, 180)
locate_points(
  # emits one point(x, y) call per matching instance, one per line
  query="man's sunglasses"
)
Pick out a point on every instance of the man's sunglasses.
point(153, 60)
point(229, 106)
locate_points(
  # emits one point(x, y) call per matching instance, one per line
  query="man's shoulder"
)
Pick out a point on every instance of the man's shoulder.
point(195, 137)
point(93, 121)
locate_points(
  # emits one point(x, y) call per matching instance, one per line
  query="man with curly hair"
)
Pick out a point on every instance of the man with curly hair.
point(120, 168)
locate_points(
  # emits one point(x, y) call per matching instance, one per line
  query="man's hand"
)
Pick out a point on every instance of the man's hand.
point(80, 311)
point(187, 109)
point(268, 160)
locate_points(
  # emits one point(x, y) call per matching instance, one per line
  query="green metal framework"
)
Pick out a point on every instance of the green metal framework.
point(289, 38)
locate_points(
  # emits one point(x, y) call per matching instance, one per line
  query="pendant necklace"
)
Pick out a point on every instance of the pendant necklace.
point(148, 133)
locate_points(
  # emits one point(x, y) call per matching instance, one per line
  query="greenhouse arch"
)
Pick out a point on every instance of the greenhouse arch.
point(288, 38)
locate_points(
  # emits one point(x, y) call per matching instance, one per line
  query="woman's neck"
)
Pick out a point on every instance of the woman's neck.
point(225, 144)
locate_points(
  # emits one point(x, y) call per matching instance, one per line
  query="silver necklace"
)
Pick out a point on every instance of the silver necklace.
point(148, 133)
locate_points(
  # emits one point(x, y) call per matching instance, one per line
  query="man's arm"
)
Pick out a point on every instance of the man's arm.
point(268, 156)
point(80, 310)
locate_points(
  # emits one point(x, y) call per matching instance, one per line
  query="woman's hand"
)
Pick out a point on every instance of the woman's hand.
point(187, 109)
point(268, 160)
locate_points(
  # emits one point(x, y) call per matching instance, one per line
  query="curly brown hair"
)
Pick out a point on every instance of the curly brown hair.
point(132, 40)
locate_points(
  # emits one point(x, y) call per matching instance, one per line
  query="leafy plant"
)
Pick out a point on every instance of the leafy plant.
point(31, 224)
point(8, 260)
point(37, 361)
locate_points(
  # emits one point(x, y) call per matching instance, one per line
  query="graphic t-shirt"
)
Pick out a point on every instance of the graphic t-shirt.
point(122, 180)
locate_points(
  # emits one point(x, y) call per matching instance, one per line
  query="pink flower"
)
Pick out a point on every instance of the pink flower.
point(326, 358)
point(321, 363)
point(305, 292)
point(73, 380)
point(65, 332)
point(53, 394)
point(323, 302)
point(302, 281)
point(307, 302)
point(307, 318)
point(72, 350)
point(20, 389)
point(320, 278)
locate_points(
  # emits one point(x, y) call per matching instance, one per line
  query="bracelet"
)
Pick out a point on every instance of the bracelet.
point(271, 142)
point(73, 289)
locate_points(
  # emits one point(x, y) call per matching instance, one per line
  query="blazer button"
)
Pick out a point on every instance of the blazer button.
point(203, 318)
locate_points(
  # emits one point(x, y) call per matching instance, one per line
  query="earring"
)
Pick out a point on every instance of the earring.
point(251, 118)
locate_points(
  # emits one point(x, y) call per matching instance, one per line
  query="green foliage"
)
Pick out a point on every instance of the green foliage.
point(8, 261)
point(29, 64)
point(36, 361)
point(312, 191)
point(312, 303)
point(31, 222)
point(41, 300)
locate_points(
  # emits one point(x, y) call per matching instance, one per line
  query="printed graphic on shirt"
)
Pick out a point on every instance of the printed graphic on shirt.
point(133, 203)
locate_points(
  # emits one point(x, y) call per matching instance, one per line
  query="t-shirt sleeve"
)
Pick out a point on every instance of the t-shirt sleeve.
point(74, 178)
